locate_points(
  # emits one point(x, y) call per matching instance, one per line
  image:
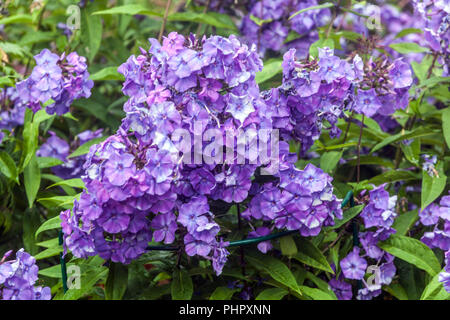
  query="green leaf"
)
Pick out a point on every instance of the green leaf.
point(272, 294)
point(13, 49)
point(392, 176)
point(87, 281)
point(91, 31)
point(270, 70)
point(321, 284)
point(129, 9)
point(288, 247)
point(321, 43)
point(405, 221)
point(30, 222)
point(215, 19)
point(408, 31)
point(397, 291)
point(51, 272)
point(413, 251)
point(84, 148)
point(435, 290)
point(412, 151)
point(329, 160)
point(17, 18)
point(117, 281)
point(222, 293)
point(48, 162)
point(259, 21)
point(60, 201)
point(32, 180)
point(349, 35)
point(30, 143)
point(309, 254)
point(446, 125)
point(182, 287)
point(354, 12)
point(108, 73)
point(421, 69)
point(316, 294)
point(419, 132)
point(371, 160)
point(8, 166)
point(407, 47)
point(322, 6)
point(53, 223)
point(431, 82)
point(52, 243)
point(275, 268)
point(74, 183)
point(48, 253)
point(432, 187)
point(337, 146)
point(348, 214)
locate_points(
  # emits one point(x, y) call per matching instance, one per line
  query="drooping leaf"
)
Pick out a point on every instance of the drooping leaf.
point(116, 282)
point(91, 30)
point(271, 69)
point(318, 7)
point(74, 183)
point(275, 268)
point(435, 290)
point(407, 47)
point(129, 9)
point(53, 223)
point(272, 294)
point(413, 251)
point(309, 254)
point(347, 215)
point(182, 287)
point(329, 160)
point(222, 293)
point(8, 166)
point(108, 73)
point(84, 148)
point(405, 221)
point(32, 180)
point(446, 125)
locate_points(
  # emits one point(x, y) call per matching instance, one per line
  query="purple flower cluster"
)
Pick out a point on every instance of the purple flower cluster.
point(313, 92)
point(18, 278)
point(136, 181)
point(301, 200)
point(12, 110)
point(58, 148)
point(435, 16)
point(383, 88)
point(378, 216)
point(276, 26)
point(56, 81)
point(439, 217)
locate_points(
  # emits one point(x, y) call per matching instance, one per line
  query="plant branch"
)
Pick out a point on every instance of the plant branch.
point(164, 22)
point(358, 167)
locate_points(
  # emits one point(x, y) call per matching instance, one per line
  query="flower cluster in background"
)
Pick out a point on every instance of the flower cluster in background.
point(272, 27)
point(18, 278)
point(56, 81)
point(12, 110)
point(55, 147)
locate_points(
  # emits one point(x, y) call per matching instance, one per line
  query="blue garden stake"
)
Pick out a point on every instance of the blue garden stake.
point(62, 261)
